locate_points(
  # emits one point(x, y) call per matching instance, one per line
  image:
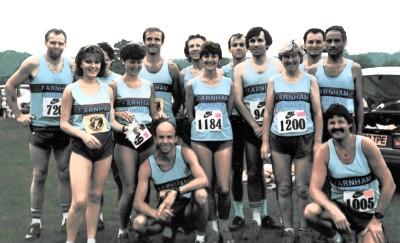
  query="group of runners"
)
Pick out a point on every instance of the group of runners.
point(191, 132)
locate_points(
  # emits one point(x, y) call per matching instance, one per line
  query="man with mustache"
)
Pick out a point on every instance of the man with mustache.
point(362, 186)
point(339, 79)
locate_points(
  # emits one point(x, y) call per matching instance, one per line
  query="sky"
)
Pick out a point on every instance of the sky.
point(371, 26)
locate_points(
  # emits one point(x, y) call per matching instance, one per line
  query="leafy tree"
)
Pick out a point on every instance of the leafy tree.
point(364, 60)
point(181, 62)
point(224, 61)
point(10, 61)
point(117, 64)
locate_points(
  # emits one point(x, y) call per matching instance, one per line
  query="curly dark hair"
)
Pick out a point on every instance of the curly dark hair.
point(108, 49)
point(132, 50)
point(338, 110)
point(88, 52)
point(255, 31)
point(186, 49)
point(210, 47)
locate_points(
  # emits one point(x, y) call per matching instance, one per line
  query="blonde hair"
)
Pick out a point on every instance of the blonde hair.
point(289, 47)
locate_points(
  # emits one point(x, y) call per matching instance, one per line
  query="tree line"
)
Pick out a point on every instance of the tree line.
point(10, 60)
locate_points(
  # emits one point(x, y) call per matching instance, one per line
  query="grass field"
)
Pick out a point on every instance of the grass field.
point(15, 217)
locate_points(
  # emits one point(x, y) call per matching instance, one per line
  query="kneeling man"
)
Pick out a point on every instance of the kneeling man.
point(180, 182)
point(357, 171)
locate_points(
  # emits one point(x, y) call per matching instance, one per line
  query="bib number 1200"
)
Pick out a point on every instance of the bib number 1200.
point(292, 122)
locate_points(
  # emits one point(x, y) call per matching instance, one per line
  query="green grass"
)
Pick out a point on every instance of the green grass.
point(15, 217)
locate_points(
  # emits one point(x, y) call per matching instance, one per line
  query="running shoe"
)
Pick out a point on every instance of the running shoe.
point(288, 236)
point(237, 223)
point(269, 223)
point(123, 238)
point(64, 227)
point(100, 225)
point(34, 232)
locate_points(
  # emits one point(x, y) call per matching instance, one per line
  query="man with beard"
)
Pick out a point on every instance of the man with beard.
point(163, 73)
point(48, 75)
point(362, 185)
point(314, 45)
point(339, 79)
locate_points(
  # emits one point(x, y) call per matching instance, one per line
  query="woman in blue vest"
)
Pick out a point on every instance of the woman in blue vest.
point(209, 103)
point(292, 130)
point(87, 115)
point(134, 103)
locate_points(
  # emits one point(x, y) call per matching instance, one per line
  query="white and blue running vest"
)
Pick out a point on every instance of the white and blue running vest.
point(212, 98)
point(255, 84)
point(84, 104)
point(356, 176)
point(136, 101)
point(162, 86)
point(177, 176)
point(290, 97)
point(338, 89)
point(48, 85)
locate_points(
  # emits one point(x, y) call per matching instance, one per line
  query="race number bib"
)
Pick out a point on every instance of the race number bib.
point(257, 110)
point(208, 121)
point(292, 121)
point(143, 136)
point(160, 105)
point(361, 201)
point(95, 123)
point(51, 107)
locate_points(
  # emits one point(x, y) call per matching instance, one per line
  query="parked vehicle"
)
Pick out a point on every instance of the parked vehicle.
point(23, 100)
point(381, 92)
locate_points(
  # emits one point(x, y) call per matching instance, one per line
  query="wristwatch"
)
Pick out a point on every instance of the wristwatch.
point(378, 215)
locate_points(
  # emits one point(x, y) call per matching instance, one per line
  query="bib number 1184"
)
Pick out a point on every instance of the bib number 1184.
point(208, 121)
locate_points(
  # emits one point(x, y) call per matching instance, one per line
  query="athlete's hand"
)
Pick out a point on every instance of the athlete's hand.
point(265, 153)
point(134, 127)
point(25, 119)
point(125, 115)
point(258, 132)
point(375, 228)
point(168, 200)
point(165, 215)
point(161, 116)
point(340, 221)
point(91, 141)
point(163, 194)
point(164, 211)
